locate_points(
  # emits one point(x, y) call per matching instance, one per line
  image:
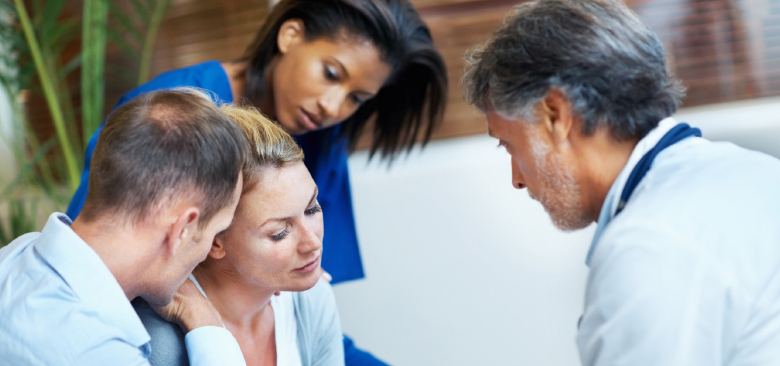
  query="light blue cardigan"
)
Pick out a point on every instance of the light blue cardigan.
point(319, 330)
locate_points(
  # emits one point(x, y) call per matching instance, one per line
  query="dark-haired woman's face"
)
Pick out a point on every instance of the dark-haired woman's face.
point(320, 83)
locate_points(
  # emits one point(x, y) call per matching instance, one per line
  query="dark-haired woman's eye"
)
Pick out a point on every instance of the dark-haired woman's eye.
point(313, 210)
point(331, 73)
point(358, 100)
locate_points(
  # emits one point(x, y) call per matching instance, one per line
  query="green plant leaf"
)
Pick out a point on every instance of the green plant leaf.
point(73, 175)
point(93, 51)
point(69, 67)
point(141, 10)
point(61, 35)
point(122, 43)
point(49, 14)
point(124, 23)
point(151, 35)
point(25, 172)
point(7, 6)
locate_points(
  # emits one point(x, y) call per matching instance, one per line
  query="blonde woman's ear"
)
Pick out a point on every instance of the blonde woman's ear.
point(217, 250)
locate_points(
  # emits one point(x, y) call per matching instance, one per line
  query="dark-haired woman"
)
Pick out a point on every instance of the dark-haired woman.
point(323, 69)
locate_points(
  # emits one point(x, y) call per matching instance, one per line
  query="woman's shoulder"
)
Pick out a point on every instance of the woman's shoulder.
point(207, 75)
point(315, 309)
point(318, 299)
point(207, 72)
point(319, 326)
point(168, 348)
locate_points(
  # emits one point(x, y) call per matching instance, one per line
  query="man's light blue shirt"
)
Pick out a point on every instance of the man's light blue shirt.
point(61, 305)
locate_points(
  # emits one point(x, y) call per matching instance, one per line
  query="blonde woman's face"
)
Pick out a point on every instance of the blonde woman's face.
point(275, 241)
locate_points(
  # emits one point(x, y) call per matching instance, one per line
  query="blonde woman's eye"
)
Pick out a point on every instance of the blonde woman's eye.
point(281, 235)
point(313, 210)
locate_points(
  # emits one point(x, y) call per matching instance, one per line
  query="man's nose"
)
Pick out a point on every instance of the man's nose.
point(517, 179)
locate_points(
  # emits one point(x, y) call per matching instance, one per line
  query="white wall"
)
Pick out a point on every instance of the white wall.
point(462, 269)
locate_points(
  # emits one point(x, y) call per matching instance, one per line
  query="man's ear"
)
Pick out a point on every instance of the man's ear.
point(290, 34)
point(182, 229)
point(218, 246)
point(557, 116)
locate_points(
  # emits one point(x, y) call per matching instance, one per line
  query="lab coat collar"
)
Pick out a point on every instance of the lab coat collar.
point(610, 205)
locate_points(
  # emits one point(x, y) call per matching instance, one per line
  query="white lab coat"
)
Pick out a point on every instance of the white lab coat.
point(689, 272)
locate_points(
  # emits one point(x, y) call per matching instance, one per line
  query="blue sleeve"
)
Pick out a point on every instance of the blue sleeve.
point(326, 158)
point(357, 357)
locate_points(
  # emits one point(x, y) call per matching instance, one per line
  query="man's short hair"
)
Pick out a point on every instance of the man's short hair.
point(608, 63)
point(164, 146)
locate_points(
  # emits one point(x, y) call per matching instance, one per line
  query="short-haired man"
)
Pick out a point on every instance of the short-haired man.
point(685, 263)
point(166, 177)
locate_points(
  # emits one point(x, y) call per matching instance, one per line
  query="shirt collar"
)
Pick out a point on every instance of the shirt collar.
point(611, 201)
point(86, 274)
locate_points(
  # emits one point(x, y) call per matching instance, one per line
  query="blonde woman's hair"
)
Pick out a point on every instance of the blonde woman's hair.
point(269, 144)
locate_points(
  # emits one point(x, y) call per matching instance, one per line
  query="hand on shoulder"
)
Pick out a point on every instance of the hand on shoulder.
point(190, 309)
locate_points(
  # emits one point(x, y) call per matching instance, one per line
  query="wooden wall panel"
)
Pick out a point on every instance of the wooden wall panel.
point(723, 50)
point(453, 35)
point(200, 30)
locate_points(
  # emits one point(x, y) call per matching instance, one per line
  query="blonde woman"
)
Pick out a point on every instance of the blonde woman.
point(263, 273)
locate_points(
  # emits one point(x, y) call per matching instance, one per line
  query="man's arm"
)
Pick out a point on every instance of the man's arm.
point(653, 298)
point(112, 352)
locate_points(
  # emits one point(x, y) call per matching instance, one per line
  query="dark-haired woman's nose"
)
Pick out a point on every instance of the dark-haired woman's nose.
point(331, 102)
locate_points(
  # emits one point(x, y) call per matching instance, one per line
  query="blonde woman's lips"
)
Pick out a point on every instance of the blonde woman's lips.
point(309, 267)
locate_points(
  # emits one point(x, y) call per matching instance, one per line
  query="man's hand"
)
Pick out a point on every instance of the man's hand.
point(190, 309)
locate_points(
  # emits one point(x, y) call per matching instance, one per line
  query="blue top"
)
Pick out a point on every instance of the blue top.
point(326, 159)
point(61, 305)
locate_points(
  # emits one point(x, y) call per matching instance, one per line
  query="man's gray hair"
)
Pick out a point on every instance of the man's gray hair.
point(610, 66)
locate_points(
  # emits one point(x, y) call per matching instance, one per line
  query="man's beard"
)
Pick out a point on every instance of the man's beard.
point(559, 193)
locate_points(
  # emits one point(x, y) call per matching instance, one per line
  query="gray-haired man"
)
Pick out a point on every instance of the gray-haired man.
point(685, 263)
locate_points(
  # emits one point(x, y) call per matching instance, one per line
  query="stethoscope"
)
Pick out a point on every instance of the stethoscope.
point(675, 135)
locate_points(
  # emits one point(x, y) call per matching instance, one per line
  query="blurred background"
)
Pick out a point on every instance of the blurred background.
point(461, 269)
